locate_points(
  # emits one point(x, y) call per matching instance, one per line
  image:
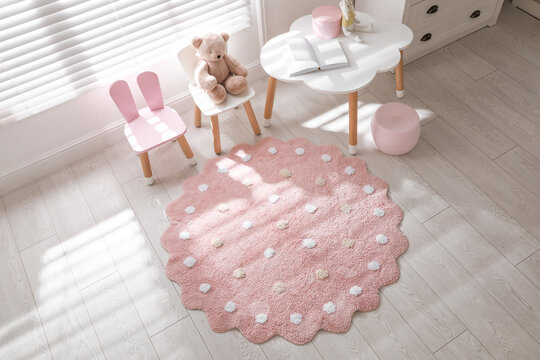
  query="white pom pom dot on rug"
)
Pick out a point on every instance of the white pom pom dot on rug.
point(189, 261)
point(269, 252)
point(296, 318)
point(329, 308)
point(203, 187)
point(326, 157)
point(204, 288)
point(309, 243)
point(378, 212)
point(349, 170)
point(230, 307)
point(264, 243)
point(368, 189)
point(261, 318)
point(381, 239)
point(355, 290)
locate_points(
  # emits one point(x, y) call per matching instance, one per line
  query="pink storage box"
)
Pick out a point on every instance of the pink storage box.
point(326, 22)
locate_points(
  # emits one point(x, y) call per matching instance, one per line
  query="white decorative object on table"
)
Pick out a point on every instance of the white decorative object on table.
point(350, 25)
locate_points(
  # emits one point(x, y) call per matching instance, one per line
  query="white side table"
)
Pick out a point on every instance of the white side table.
point(381, 51)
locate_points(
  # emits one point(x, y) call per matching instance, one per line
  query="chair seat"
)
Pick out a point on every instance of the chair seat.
point(209, 109)
point(153, 128)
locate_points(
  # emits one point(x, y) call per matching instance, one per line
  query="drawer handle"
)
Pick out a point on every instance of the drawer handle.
point(432, 10)
point(426, 37)
point(475, 14)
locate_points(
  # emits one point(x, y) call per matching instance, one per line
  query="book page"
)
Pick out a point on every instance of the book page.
point(303, 60)
point(329, 54)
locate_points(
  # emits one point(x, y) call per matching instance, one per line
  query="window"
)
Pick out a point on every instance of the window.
point(52, 51)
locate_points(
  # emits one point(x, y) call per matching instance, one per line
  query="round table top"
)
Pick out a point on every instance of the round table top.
point(379, 52)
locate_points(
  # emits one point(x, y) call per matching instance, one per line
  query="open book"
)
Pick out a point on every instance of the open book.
point(308, 56)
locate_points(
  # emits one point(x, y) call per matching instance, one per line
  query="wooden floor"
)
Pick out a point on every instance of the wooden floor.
point(82, 271)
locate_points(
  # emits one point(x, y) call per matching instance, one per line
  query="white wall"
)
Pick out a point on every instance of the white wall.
point(42, 143)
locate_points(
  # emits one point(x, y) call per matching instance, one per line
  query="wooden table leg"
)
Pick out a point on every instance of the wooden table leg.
point(215, 133)
point(400, 91)
point(353, 122)
point(186, 150)
point(197, 116)
point(252, 118)
point(270, 94)
point(147, 169)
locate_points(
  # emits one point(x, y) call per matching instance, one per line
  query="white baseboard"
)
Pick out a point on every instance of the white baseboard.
point(80, 148)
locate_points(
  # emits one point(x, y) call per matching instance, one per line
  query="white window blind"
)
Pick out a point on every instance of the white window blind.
point(52, 51)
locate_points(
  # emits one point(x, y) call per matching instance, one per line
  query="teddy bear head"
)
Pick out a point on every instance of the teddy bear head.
point(211, 47)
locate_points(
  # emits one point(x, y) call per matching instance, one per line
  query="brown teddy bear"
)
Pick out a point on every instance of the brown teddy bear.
point(218, 72)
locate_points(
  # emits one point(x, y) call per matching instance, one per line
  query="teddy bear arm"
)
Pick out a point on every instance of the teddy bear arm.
point(204, 79)
point(235, 67)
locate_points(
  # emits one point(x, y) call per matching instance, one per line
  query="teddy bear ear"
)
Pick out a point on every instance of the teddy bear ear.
point(196, 42)
point(225, 36)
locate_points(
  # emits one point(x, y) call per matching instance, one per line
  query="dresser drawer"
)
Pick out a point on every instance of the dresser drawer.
point(429, 11)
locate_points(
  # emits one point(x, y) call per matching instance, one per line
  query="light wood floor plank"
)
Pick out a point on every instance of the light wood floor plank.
point(524, 167)
point(62, 311)
point(348, 346)
point(502, 231)
point(425, 313)
point(520, 129)
point(506, 191)
point(531, 268)
point(500, 334)
point(464, 346)
point(382, 87)
point(21, 332)
point(81, 240)
point(465, 120)
point(149, 203)
point(513, 40)
point(388, 334)
point(229, 345)
point(181, 341)
point(154, 296)
point(511, 92)
point(511, 64)
point(28, 216)
point(278, 348)
point(117, 324)
point(124, 161)
point(466, 60)
point(498, 276)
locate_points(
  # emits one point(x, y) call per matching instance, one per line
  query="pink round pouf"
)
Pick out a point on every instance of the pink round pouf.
point(395, 128)
point(326, 22)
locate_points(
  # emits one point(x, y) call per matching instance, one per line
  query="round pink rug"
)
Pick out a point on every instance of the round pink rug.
point(283, 238)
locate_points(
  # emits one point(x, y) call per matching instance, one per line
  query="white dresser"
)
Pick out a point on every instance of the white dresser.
point(434, 23)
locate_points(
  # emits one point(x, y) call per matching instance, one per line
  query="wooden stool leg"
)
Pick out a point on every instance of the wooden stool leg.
point(270, 94)
point(146, 168)
point(187, 150)
point(215, 133)
point(353, 121)
point(400, 91)
point(252, 118)
point(197, 116)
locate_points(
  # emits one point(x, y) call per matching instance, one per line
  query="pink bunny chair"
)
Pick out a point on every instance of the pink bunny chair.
point(151, 126)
